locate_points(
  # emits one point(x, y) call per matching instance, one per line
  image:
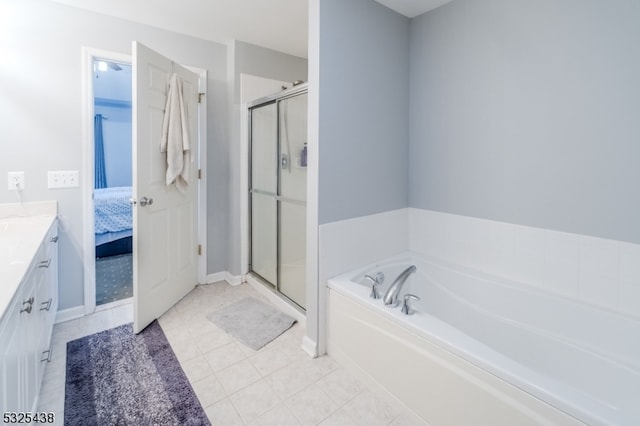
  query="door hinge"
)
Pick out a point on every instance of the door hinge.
point(199, 173)
point(199, 249)
point(200, 95)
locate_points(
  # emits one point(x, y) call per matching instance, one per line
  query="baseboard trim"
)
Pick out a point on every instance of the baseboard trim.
point(233, 279)
point(310, 347)
point(216, 277)
point(69, 314)
point(224, 276)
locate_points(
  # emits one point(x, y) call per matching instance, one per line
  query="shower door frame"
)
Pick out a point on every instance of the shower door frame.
point(276, 98)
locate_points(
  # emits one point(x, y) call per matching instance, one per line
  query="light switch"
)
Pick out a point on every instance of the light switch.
point(63, 179)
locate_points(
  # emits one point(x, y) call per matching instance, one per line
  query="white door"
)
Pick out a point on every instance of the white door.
point(165, 242)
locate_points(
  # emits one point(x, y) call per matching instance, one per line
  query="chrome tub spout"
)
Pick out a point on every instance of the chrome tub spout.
point(391, 296)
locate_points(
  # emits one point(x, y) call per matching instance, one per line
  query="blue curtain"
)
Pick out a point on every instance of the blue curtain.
point(100, 170)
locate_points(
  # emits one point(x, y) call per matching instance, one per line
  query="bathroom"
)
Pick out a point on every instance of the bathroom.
point(425, 134)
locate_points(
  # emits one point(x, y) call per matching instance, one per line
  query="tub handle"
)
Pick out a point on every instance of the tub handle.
point(378, 279)
point(407, 309)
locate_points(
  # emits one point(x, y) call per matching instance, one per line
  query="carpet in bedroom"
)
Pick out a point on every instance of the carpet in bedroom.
point(114, 278)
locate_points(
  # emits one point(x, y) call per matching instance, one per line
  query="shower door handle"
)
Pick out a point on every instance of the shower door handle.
point(144, 201)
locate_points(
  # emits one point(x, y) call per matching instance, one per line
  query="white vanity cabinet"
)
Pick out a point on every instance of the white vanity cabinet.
point(26, 327)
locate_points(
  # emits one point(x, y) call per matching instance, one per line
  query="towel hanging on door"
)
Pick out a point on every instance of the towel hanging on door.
point(175, 136)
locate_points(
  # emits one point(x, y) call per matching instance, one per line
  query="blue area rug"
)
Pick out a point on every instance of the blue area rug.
point(116, 377)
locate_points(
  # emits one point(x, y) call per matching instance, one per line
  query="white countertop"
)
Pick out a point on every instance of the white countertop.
point(22, 229)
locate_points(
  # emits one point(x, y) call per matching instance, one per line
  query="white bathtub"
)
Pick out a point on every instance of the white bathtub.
point(493, 348)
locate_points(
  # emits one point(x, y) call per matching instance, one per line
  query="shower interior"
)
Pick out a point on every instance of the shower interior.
point(277, 192)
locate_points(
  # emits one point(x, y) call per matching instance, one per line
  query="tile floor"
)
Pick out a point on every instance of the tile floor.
point(277, 385)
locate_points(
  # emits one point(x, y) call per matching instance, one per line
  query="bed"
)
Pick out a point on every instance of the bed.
point(113, 220)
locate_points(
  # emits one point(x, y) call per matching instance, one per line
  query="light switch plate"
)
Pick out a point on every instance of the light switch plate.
point(63, 179)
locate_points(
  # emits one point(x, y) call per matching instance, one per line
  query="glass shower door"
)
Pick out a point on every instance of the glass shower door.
point(278, 194)
point(264, 191)
point(292, 200)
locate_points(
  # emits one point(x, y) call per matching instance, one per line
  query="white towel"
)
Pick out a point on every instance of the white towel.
point(175, 136)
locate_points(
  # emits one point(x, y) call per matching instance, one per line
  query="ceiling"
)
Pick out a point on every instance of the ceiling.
point(276, 24)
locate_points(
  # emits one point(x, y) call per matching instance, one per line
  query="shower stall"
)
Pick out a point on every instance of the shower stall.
point(277, 192)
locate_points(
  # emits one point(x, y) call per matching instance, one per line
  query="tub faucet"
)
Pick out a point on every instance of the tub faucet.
point(407, 309)
point(378, 279)
point(391, 296)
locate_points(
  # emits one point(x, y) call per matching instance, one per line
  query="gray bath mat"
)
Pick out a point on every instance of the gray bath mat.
point(252, 322)
point(116, 377)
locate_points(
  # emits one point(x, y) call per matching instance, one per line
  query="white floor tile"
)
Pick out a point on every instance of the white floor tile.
point(238, 376)
point(404, 421)
point(270, 360)
point(280, 415)
point(255, 400)
point(196, 369)
point(312, 405)
point(235, 384)
point(368, 410)
point(339, 418)
point(225, 356)
point(288, 381)
point(341, 386)
point(223, 413)
point(208, 390)
point(185, 350)
point(213, 340)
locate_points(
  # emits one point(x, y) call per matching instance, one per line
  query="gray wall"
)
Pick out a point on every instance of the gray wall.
point(41, 111)
point(258, 61)
point(529, 112)
point(363, 122)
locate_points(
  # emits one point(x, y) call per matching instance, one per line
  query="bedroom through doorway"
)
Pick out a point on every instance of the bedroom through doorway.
point(112, 84)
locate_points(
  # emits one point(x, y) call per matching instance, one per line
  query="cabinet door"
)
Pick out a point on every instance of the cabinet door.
point(12, 373)
point(29, 327)
point(9, 354)
point(12, 354)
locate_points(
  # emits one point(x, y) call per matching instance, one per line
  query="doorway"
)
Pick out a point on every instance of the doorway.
point(277, 192)
point(147, 154)
point(113, 216)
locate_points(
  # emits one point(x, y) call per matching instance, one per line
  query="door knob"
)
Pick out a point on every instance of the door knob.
point(144, 201)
